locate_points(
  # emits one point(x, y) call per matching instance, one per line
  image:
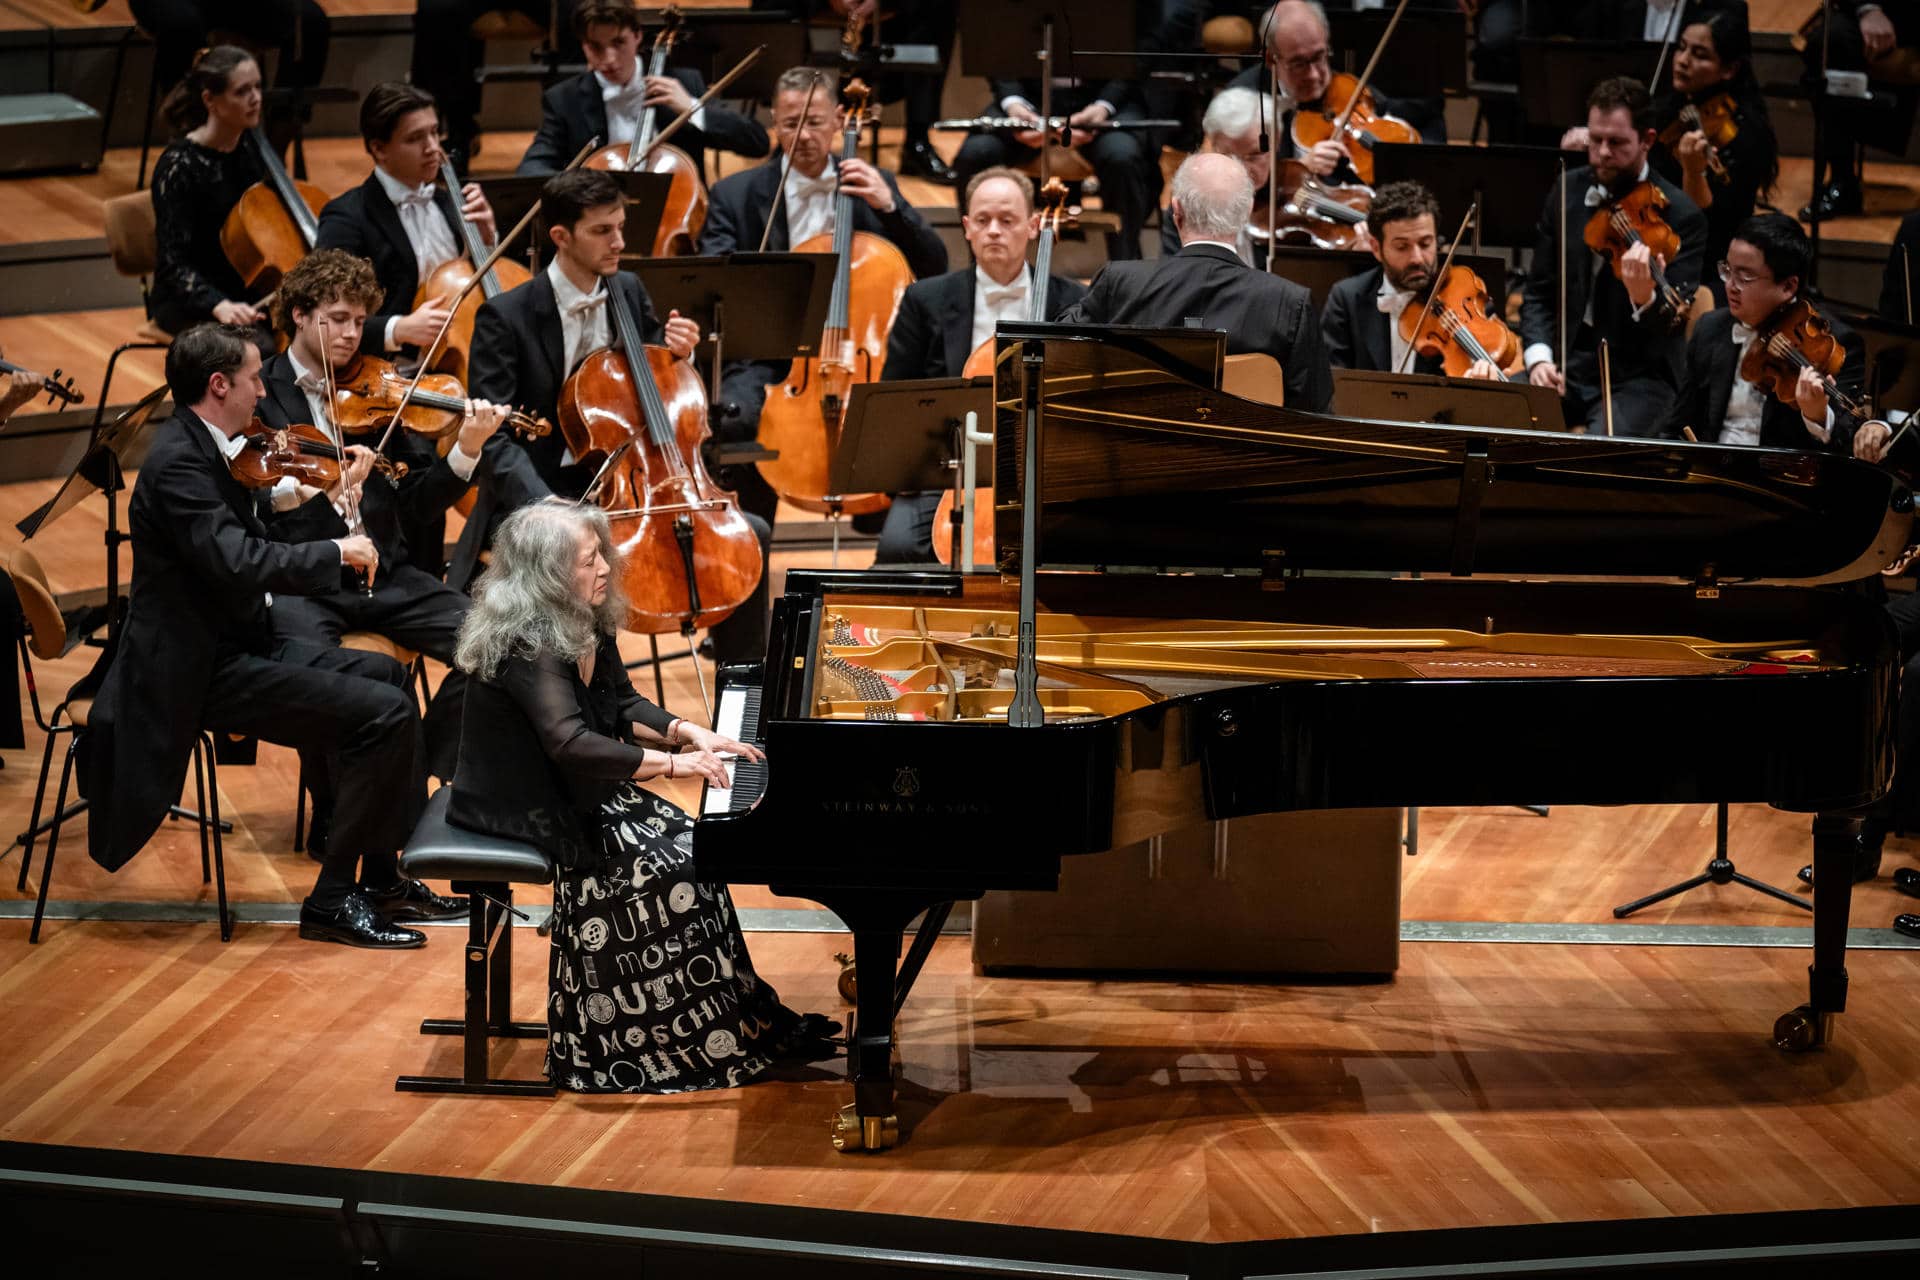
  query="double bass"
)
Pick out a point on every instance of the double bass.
point(450, 279)
point(686, 210)
point(803, 415)
point(688, 557)
point(274, 224)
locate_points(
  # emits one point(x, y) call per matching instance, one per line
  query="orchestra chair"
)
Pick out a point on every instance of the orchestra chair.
point(365, 642)
point(484, 868)
point(1255, 375)
point(45, 633)
point(133, 245)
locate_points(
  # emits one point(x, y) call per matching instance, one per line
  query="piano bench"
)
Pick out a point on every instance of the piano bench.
point(484, 868)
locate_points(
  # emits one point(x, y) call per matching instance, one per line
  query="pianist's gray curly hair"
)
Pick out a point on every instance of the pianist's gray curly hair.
point(524, 602)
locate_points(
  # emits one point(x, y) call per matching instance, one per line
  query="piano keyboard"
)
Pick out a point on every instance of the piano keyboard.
point(738, 718)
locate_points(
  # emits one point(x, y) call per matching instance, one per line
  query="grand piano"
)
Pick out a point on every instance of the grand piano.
point(1208, 608)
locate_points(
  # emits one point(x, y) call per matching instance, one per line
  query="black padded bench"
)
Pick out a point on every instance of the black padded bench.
point(484, 868)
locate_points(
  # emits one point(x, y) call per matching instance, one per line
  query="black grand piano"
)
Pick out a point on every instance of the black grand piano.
point(1212, 608)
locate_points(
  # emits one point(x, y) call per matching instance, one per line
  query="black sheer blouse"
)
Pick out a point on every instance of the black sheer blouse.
point(540, 752)
point(194, 188)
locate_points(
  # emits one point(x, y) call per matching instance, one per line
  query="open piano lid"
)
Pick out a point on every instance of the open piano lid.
point(1145, 467)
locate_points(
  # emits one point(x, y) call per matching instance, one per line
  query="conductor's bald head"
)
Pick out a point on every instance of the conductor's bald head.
point(1212, 198)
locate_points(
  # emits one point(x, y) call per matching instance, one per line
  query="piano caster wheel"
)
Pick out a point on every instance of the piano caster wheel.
point(1802, 1030)
point(854, 1132)
point(849, 990)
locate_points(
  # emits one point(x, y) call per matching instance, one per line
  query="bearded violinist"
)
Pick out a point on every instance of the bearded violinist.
point(1627, 306)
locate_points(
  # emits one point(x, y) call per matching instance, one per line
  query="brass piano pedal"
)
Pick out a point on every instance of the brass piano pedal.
point(1802, 1030)
point(849, 989)
point(854, 1132)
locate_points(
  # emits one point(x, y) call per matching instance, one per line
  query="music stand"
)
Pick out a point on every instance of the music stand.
point(1318, 270)
point(1427, 397)
point(784, 304)
point(512, 195)
point(1893, 362)
point(906, 437)
point(1427, 57)
point(1510, 182)
point(1555, 76)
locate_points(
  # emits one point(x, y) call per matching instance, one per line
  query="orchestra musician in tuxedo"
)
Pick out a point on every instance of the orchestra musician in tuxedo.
point(322, 306)
point(609, 100)
point(400, 219)
point(1361, 319)
point(745, 207)
point(197, 653)
point(1764, 270)
point(943, 319)
point(1208, 283)
point(1640, 323)
point(1231, 127)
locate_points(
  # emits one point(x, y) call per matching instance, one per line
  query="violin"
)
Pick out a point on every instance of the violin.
point(686, 211)
point(1312, 212)
point(298, 452)
point(274, 224)
point(1714, 118)
point(688, 556)
point(803, 415)
point(1458, 325)
point(1636, 218)
point(450, 279)
point(1347, 114)
point(368, 391)
point(57, 391)
point(1797, 337)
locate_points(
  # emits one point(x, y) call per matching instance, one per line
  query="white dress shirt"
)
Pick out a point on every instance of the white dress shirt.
point(810, 204)
point(626, 106)
point(1663, 16)
point(584, 323)
point(1392, 302)
point(1746, 401)
point(428, 234)
point(993, 302)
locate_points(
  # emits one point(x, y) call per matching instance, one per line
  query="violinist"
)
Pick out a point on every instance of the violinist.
point(1625, 303)
point(1361, 319)
point(322, 306)
point(1765, 266)
point(944, 319)
point(1231, 127)
point(608, 101)
point(400, 219)
point(1713, 92)
point(1126, 161)
point(196, 182)
point(197, 653)
point(1299, 56)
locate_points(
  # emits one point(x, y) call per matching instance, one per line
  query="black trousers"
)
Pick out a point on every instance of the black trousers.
point(410, 607)
point(299, 29)
point(1128, 169)
point(320, 700)
point(907, 537)
point(445, 55)
point(1640, 400)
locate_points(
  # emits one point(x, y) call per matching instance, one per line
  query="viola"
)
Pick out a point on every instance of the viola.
point(274, 224)
point(1458, 324)
point(1797, 337)
point(803, 415)
point(1715, 118)
point(1311, 212)
point(1636, 218)
point(57, 391)
point(1347, 114)
point(688, 557)
point(368, 390)
point(450, 279)
point(686, 210)
point(297, 452)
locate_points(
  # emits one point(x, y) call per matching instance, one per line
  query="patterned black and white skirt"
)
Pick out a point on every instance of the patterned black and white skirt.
point(652, 990)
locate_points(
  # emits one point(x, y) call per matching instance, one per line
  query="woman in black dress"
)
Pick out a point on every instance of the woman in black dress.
point(196, 182)
point(651, 990)
point(1712, 56)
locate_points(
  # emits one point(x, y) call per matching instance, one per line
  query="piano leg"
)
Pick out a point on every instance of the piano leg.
point(1811, 1025)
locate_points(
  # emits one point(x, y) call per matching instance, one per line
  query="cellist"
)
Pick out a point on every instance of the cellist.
point(608, 100)
point(748, 208)
point(400, 219)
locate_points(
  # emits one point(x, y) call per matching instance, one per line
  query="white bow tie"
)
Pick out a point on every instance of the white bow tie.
point(580, 306)
point(1390, 299)
point(805, 188)
point(1000, 297)
point(1742, 334)
point(1597, 196)
point(311, 383)
point(418, 199)
point(634, 88)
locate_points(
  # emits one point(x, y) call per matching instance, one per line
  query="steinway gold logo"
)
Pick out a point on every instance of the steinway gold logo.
point(906, 781)
point(901, 796)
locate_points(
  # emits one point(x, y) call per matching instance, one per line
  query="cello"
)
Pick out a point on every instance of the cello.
point(450, 280)
point(686, 210)
point(803, 415)
point(274, 224)
point(688, 557)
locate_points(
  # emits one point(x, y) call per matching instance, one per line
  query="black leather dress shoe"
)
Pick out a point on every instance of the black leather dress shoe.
point(1866, 863)
point(1907, 881)
point(918, 159)
point(410, 900)
point(1835, 202)
point(357, 924)
point(1908, 924)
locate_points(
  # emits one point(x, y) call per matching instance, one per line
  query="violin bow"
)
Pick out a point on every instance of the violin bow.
point(1666, 47)
point(674, 126)
point(1339, 126)
point(1439, 274)
point(786, 166)
point(332, 424)
point(1562, 311)
point(453, 304)
point(1606, 385)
